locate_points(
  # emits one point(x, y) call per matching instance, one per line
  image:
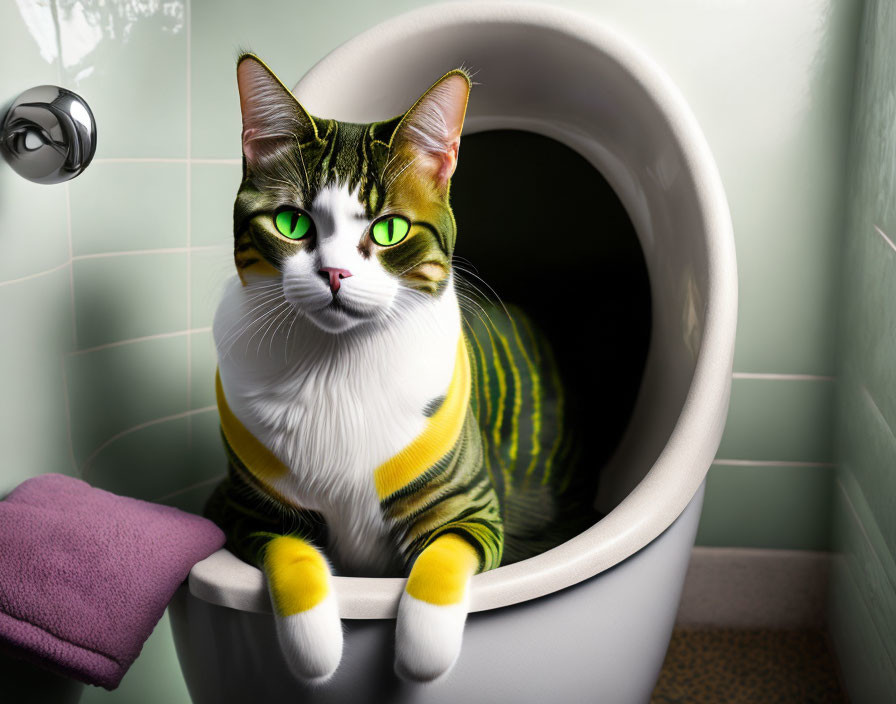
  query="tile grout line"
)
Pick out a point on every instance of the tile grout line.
point(134, 252)
point(857, 520)
point(879, 413)
point(141, 160)
point(71, 263)
point(105, 255)
point(68, 416)
point(140, 426)
point(164, 250)
point(224, 161)
point(62, 357)
point(35, 275)
point(132, 340)
point(68, 201)
point(212, 248)
point(769, 463)
point(887, 239)
point(54, 9)
point(188, 9)
point(782, 377)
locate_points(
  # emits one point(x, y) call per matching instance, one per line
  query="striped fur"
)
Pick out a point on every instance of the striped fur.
point(505, 482)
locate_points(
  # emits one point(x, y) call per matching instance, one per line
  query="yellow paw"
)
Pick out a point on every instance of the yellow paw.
point(298, 575)
point(441, 572)
point(433, 609)
point(306, 613)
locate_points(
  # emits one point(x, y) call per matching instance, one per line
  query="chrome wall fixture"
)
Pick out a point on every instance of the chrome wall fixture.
point(48, 135)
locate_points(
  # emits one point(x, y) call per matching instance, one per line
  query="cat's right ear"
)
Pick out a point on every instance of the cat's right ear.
point(431, 129)
point(272, 117)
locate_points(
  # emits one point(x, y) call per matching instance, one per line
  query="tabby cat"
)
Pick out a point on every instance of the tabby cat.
point(373, 425)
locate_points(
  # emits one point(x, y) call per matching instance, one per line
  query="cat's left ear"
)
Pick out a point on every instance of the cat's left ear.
point(431, 129)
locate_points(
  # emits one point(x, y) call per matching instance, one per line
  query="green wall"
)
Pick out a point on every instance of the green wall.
point(108, 284)
point(863, 598)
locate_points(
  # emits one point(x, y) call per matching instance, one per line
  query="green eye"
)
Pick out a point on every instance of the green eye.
point(391, 230)
point(292, 223)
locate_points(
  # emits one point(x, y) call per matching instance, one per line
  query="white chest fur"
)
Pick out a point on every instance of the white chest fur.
point(333, 408)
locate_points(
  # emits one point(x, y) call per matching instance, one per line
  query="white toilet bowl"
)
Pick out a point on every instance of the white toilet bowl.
point(589, 620)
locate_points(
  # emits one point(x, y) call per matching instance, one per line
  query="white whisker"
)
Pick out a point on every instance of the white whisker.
point(258, 321)
point(269, 298)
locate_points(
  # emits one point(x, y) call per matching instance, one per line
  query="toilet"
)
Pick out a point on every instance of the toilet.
point(589, 620)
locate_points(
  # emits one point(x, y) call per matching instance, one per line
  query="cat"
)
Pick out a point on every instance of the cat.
point(378, 419)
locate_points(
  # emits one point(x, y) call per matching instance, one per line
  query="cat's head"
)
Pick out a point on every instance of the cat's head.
point(352, 220)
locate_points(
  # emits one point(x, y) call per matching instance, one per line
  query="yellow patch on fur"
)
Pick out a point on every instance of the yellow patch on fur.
point(439, 435)
point(427, 272)
point(258, 459)
point(440, 574)
point(260, 267)
point(297, 573)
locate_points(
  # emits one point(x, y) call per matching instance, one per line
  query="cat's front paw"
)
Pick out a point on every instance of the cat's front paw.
point(311, 641)
point(433, 609)
point(427, 638)
point(306, 612)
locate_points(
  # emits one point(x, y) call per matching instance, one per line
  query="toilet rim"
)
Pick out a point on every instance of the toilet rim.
point(672, 481)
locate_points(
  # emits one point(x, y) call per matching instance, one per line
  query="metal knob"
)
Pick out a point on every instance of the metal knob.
point(48, 135)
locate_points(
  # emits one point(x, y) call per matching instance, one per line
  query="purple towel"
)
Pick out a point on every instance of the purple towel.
point(85, 575)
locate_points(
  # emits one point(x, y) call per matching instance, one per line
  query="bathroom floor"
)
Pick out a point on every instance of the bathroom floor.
point(727, 666)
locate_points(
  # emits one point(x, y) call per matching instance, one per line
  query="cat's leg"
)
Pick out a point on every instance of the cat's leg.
point(297, 574)
point(305, 609)
point(448, 526)
point(433, 608)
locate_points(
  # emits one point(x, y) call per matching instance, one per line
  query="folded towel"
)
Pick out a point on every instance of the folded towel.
point(85, 575)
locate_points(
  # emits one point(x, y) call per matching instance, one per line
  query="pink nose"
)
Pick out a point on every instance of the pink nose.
point(334, 276)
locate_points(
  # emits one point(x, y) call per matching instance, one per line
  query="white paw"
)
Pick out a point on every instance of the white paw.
point(427, 638)
point(311, 641)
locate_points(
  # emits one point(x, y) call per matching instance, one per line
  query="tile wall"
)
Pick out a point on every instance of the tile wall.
point(108, 284)
point(863, 600)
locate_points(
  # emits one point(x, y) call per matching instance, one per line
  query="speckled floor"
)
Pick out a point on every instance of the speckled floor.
point(749, 667)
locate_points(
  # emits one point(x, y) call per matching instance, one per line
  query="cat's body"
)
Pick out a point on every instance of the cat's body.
point(371, 425)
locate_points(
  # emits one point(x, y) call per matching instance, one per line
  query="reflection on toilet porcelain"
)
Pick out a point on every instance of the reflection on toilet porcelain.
point(594, 614)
